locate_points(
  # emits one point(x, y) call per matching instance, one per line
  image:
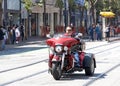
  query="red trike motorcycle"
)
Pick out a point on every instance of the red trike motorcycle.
point(61, 58)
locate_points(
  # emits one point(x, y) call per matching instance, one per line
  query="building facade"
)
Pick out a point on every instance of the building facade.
point(11, 12)
point(41, 27)
point(15, 13)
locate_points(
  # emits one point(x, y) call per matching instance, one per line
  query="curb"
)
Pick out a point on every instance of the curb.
point(114, 39)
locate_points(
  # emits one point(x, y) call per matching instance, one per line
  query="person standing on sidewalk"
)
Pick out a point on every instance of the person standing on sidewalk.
point(17, 34)
point(107, 33)
point(13, 36)
point(1, 37)
point(98, 32)
point(22, 28)
point(92, 32)
point(5, 37)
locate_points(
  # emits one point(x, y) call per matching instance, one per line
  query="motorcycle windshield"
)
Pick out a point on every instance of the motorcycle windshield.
point(61, 36)
point(61, 39)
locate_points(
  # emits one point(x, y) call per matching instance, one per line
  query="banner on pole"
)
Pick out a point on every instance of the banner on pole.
point(80, 2)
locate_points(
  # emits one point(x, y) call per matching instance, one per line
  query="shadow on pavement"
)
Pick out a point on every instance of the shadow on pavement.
point(80, 76)
point(19, 50)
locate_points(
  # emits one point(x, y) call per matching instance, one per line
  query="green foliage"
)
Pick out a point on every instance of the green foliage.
point(72, 4)
point(40, 2)
point(99, 5)
point(59, 4)
point(28, 4)
point(86, 4)
point(92, 3)
point(107, 5)
point(1, 1)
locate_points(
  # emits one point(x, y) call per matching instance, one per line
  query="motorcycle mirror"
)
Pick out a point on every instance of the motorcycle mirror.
point(80, 34)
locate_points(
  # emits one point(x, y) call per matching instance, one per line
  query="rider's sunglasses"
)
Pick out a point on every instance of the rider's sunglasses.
point(69, 30)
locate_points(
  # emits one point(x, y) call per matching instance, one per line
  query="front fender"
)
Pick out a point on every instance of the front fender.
point(56, 59)
point(53, 59)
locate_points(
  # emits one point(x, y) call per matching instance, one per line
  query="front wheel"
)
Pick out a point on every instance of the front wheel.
point(56, 71)
point(89, 71)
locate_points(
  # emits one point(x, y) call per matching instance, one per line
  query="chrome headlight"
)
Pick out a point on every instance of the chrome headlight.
point(65, 48)
point(58, 49)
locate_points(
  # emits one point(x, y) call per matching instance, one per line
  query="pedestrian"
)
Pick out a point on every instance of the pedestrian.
point(107, 33)
point(98, 32)
point(92, 32)
point(22, 28)
point(9, 35)
point(113, 31)
point(5, 37)
point(1, 37)
point(13, 35)
point(17, 34)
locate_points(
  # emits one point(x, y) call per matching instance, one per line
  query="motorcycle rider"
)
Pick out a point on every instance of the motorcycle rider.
point(70, 32)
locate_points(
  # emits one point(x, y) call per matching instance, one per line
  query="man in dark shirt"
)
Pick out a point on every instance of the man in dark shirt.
point(1, 37)
point(70, 32)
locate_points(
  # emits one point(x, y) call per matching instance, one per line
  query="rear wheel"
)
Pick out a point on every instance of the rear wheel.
point(89, 71)
point(56, 71)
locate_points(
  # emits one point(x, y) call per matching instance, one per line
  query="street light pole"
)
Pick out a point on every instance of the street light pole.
point(44, 13)
point(20, 11)
point(65, 13)
point(5, 13)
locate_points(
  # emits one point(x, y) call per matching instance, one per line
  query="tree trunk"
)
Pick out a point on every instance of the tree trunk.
point(1, 13)
point(92, 10)
point(60, 21)
point(93, 15)
point(70, 10)
point(82, 16)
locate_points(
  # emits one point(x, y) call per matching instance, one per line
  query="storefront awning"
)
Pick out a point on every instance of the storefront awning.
point(107, 14)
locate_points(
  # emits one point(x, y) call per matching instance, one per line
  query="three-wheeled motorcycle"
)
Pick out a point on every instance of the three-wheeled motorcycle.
point(61, 58)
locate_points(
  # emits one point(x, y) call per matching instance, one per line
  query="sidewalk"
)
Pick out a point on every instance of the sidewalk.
point(31, 40)
point(41, 41)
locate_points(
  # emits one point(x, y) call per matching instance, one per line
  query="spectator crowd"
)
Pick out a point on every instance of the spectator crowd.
point(96, 32)
point(15, 33)
point(11, 35)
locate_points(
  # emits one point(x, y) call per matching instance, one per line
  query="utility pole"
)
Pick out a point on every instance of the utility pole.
point(5, 13)
point(44, 13)
point(20, 11)
point(65, 12)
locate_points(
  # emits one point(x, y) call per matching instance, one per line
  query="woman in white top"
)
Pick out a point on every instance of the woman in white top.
point(17, 34)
